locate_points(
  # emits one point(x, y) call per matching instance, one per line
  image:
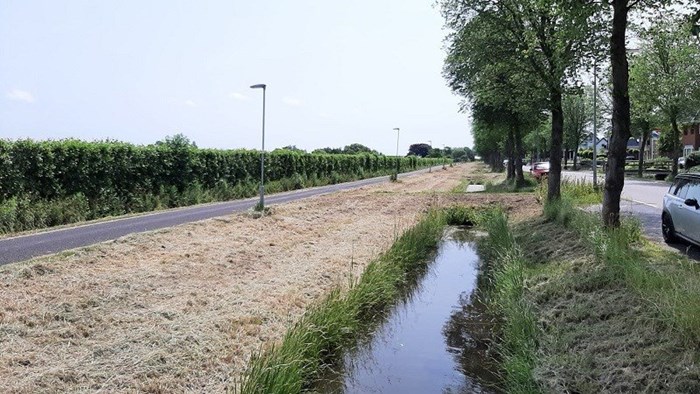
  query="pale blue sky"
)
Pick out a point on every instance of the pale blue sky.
point(338, 72)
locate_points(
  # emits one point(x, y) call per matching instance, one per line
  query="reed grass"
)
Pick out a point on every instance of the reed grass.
point(517, 332)
point(316, 342)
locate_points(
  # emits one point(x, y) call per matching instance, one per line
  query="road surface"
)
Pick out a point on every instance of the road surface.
point(25, 247)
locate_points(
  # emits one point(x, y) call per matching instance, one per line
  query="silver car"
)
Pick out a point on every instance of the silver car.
point(681, 214)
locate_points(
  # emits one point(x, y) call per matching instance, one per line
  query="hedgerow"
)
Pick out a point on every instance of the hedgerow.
point(41, 180)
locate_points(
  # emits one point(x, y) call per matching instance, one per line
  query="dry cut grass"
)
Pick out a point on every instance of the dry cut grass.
point(182, 309)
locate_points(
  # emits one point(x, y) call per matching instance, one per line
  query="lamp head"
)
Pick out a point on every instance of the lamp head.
point(396, 128)
point(259, 86)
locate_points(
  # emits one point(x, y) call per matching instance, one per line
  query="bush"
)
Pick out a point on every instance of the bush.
point(692, 160)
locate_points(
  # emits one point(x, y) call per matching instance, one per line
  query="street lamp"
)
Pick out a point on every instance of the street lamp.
point(430, 142)
point(262, 154)
point(398, 162)
point(444, 156)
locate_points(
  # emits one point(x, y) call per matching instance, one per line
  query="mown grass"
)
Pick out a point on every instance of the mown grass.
point(663, 277)
point(317, 341)
point(589, 309)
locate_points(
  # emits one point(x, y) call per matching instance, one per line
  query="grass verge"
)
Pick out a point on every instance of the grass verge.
point(588, 309)
point(318, 339)
point(511, 186)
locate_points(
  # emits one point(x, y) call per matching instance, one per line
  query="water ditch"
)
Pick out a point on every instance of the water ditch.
point(435, 340)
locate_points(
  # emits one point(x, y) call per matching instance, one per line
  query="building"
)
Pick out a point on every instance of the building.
point(690, 138)
point(601, 146)
point(651, 150)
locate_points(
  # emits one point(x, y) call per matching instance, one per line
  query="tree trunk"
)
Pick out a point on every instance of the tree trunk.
point(554, 178)
point(575, 158)
point(617, 145)
point(510, 147)
point(519, 153)
point(645, 137)
point(676, 137)
point(497, 162)
point(566, 157)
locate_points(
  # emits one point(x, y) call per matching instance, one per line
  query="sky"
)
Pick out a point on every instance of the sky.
point(337, 72)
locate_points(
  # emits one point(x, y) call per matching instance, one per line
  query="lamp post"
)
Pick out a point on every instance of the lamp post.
point(262, 154)
point(430, 142)
point(595, 123)
point(398, 162)
point(444, 154)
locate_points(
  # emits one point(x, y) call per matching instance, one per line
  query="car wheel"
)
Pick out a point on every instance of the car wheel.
point(667, 229)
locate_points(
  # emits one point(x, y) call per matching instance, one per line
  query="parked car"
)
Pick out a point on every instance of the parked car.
point(680, 218)
point(540, 170)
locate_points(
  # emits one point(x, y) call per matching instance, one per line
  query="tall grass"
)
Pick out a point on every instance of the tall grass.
point(318, 339)
point(517, 331)
point(664, 278)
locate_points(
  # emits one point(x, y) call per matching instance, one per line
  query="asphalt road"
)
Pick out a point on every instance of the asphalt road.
point(53, 241)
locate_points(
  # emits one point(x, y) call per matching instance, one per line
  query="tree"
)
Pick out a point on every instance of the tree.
point(666, 74)
point(421, 149)
point(577, 116)
point(291, 148)
point(177, 141)
point(545, 41)
point(621, 116)
point(642, 115)
point(329, 151)
point(356, 148)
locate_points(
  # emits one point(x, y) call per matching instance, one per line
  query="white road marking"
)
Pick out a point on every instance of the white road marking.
point(641, 202)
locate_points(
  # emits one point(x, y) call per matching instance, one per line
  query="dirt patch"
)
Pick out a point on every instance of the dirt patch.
point(182, 309)
point(598, 336)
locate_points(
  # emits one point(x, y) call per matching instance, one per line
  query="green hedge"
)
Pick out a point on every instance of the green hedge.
point(107, 178)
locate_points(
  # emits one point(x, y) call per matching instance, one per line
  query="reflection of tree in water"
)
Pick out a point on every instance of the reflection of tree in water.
point(468, 336)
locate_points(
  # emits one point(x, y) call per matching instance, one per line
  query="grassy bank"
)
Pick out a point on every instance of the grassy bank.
point(593, 309)
point(318, 339)
point(517, 332)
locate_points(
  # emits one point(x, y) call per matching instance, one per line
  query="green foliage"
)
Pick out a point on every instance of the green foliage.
point(40, 179)
point(665, 79)
point(517, 331)
point(421, 149)
point(577, 115)
point(352, 149)
point(692, 160)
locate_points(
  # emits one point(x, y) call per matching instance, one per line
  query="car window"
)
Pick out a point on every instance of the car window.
point(682, 189)
point(674, 187)
point(693, 191)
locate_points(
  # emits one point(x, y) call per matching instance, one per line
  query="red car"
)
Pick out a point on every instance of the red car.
point(540, 170)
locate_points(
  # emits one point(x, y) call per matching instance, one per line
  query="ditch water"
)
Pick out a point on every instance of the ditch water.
point(434, 341)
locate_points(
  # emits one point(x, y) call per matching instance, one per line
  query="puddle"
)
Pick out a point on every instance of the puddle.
point(435, 341)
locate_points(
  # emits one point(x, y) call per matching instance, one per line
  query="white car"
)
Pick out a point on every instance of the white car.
point(680, 218)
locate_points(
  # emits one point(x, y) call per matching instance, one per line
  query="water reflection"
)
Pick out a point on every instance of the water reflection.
point(435, 341)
